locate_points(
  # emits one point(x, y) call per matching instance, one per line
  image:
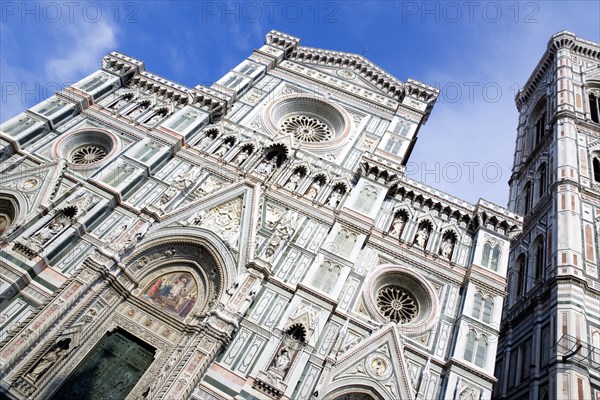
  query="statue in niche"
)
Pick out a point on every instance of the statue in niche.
point(209, 137)
point(122, 101)
point(334, 198)
point(422, 236)
point(49, 359)
point(314, 189)
point(397, 226)
point(294, 180)
point(139, 110)
point(49, 231)
point(267, 166)
point(282, 361)
point(242, 156)
point(223, 149)
point(155, 118)
point(446, 248)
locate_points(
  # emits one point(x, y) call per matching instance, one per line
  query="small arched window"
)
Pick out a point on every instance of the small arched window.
point(541, 175)
point(344, 242)
point(326, 277)
point(527, 198)
point(480, 355)
point(482, 307)
point(539, 256)
point(596, 167)
point(491, 256)
point(476, 348)
point(478, 301)
point(366, 198)
point(487, 310)
point(521, 276)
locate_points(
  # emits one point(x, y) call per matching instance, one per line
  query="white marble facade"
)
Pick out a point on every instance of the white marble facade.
point(258, 237)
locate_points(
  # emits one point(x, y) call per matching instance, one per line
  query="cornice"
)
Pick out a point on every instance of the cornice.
point(560, 40)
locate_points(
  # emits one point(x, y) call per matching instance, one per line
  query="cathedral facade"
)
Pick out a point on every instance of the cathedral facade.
point(550, 336)
point(256, 239)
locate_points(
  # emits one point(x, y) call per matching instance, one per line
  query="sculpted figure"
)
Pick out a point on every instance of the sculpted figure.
point(335, 197)
point(282, 362)
point(314, 189)
point(447, 247)
point(46, 362)
point(294, 180)
point(421, 237)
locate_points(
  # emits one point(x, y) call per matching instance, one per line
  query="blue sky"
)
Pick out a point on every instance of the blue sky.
point(477, 53)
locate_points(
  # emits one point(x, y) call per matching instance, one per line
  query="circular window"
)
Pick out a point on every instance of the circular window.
point(396, 304)
point(397, 294)
point(311, 121)
point(87, 148)
point(306, 129)
point(87, 154)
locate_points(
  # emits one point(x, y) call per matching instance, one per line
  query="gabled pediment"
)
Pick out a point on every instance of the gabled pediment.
point(351, 67)
point(229, 212)
point(34, 187)
point(376, 363)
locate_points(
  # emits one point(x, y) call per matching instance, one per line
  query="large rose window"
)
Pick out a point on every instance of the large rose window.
point(397, 294)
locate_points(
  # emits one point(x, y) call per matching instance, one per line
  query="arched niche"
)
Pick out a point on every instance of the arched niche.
point(11, 212)
point(182, 273)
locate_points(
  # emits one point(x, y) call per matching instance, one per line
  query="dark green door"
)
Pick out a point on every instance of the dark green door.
point(110, 370)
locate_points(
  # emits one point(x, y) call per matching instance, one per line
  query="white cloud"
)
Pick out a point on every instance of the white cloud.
point(88, 43)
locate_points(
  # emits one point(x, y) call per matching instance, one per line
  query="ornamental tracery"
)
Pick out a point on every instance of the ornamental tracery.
point(393, 293)
point(397, 304)
point(306, 128)
point(309, 120)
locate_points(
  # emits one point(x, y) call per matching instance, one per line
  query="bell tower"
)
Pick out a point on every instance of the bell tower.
point(549, 344)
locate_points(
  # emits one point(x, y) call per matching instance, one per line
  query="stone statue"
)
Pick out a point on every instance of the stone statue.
point(122, 101)
point(196, 219)
point(242, 156)
point(446, 248)
point(168, 195)
point(205, 141)
point(210, 185)
point(155, 118)
point(267, 166)
point(294, 180)
point(46, 362)
point(314, 189)
point(223, 149)
point(422, 236)
point(334, 198)
point(47, 232)
point(282, 361)
point(139, 110)
point(397, 226)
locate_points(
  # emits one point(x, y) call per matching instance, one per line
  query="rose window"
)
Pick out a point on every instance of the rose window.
point(394, 293)
point(312, 121)
point(396, 304)
point(87, 154)
point(87, 148)
point(307, 129)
